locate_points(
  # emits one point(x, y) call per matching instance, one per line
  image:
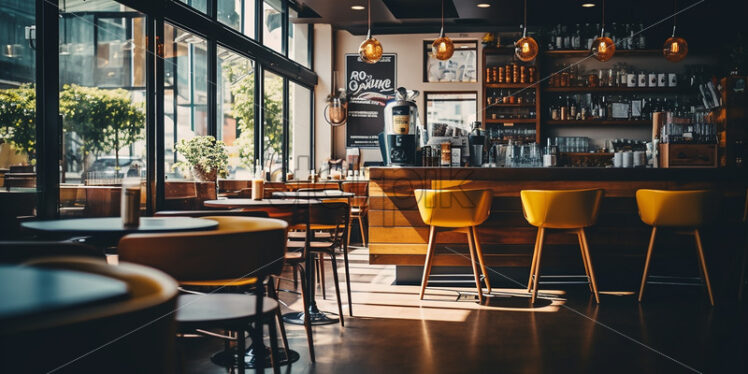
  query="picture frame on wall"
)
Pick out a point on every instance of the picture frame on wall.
point(450, 113)
point(462, 67)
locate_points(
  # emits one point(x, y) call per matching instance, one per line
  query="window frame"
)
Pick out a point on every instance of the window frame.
point(157, 13)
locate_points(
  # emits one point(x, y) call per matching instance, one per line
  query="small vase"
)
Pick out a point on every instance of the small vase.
point(203, 176)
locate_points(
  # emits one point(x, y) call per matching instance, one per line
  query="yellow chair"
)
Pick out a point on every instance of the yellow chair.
point(570, 210)
point(687, 210)
point(455, 210)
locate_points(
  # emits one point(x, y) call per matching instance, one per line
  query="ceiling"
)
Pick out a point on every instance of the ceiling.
point(705, 18)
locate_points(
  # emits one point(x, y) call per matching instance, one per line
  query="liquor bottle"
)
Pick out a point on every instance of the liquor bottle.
point(642, 44)
point(567, 37)
point(559, 38)
point(613, 33)
point(576, 41)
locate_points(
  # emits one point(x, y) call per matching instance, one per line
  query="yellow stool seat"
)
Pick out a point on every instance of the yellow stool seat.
point(455, 209)
point(563, 209)
point(571, 210)
point(677, 209)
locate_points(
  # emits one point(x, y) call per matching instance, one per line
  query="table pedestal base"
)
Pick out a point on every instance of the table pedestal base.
point(228, 360)
point(318, 318)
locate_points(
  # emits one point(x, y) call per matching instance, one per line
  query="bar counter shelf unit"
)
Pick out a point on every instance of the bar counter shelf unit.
point(618, 241)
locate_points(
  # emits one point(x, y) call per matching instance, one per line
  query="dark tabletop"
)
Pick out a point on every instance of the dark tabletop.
point(113, 225)
point(250, 203)
point(326, 194)
point(28, 291)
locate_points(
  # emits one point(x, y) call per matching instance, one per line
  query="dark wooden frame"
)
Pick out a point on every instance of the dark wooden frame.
point(427, 46)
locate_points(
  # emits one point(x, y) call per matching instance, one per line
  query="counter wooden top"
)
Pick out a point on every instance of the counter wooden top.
point(557, 174)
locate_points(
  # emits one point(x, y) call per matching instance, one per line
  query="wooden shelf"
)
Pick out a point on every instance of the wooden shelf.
point(510, 106)
point(510, 85)
point(512, 120)
point(617, 89)
point(619, 52)
point(600, 122)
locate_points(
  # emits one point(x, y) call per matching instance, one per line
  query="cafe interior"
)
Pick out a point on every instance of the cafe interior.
point(373, 186)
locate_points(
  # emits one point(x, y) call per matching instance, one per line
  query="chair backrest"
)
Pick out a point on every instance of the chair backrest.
point(16, 252)
point(314, 186)
point(677, 208)
point(561, 209)
point(206, 213)
point(245, 247)
point(102, 335)
point(454, 208)
point(357, 188)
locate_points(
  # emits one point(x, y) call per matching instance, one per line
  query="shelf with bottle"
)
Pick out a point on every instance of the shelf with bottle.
point(632, 109)
point(620, 77)
point(586, 52)
point(511, 120)
point(626, 36)
point(510, 74)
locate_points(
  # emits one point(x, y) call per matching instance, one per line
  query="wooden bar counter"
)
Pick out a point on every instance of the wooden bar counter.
point(618, 242)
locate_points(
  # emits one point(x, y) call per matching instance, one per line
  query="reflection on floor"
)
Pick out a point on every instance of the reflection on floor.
point(674, 330)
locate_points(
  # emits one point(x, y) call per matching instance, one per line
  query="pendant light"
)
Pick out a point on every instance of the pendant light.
point(526, 48)
point(371, 49)
point(603, 47)
point(675, 48)
point(442, 48)
point(336, 105)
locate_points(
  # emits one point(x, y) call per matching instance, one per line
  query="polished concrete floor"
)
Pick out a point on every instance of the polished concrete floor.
point(392, 331)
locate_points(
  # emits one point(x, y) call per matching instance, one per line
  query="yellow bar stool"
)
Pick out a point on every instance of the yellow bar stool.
point(685, 210)
point(460, 211)
point(569, 210)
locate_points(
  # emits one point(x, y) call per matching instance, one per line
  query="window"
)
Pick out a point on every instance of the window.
point(300, 130)
point(236, 111)
point(201, 5)
point(185, 93)
point(298, 40)
point(238, 14)
point(17, 115)
point(272, 25)
point(272, 133)
point(102, 103)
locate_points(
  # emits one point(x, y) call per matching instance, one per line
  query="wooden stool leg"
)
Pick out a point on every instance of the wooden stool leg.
point(321, 272)
point(429, 259)
point(532, 262)
point(702, 261)
point(476, 275)
point(541, 235)
point(361, 226)
point(350, 223)
point(347, 280)
point(589, 265)
point(647, 262)
point(479, 252)
point(584, 261)
point(273, 335)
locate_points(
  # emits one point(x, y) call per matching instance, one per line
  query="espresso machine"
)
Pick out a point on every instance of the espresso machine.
point(401, 139)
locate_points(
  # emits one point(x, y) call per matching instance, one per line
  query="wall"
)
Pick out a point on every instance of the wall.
point(323, 58)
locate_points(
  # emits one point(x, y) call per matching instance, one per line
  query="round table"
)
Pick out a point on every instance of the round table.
point(326, 194)
point(106, 231)
point(30, 293)
point(113, 226)
point(251, 203)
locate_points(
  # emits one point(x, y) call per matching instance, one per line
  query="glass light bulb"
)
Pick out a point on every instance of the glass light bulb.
point(370, 50)
point(526, 49)
point(675, 49)
point(443, 48)
point(603, 49)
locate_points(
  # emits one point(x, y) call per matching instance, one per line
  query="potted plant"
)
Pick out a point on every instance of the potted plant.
point(205, 157)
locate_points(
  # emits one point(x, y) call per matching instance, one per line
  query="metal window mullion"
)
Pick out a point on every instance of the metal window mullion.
point(48, 121)
point(160, 133)
point(284, 27)
point(150, 110)
point(286, 140)
point(259, 113)
point(212, 111)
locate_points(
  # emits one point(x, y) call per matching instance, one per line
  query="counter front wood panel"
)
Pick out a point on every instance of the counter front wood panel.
point(397, 235)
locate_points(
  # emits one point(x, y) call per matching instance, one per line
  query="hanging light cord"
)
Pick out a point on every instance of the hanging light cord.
point(603, 17)
point(368, 8)
point(675, 17)
point(442, 31)
point(524, 26)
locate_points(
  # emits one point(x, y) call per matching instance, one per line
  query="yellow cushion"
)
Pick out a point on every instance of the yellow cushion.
point(561, 209)
point(221, 282)
point(676, 208)
point(454, 208)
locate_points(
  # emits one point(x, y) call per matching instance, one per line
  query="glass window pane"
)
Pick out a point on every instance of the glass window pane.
point(201, 5)
point(300, 128)
point(102, 102)
point(238, 14)
point(272, 25)
point(17, 116)
point(272, 107)
point(236, 111)
point(298, 40)
point(185, 101)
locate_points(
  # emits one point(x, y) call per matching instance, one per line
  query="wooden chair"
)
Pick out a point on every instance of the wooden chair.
point(134, 335)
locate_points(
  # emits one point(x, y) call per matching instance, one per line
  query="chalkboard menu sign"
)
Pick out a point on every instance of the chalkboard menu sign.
point(369, 87)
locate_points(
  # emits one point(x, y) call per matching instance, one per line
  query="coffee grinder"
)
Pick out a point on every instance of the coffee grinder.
point(400, 141)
